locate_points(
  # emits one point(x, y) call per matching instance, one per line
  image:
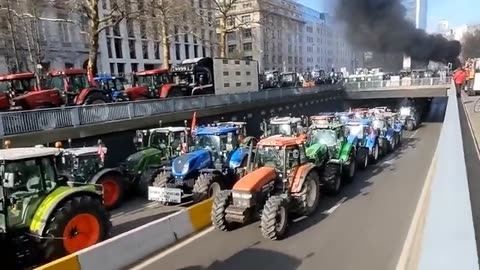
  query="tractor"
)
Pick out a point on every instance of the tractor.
point(76, 88)
point(156, 148)
point(272, 79)
point(25, 94)
point(113, 85)
point(284, 126)
point(44, 216)
point(289, 79)
point(243, 138)
point(368, 149)
point(344, 117)
point(281, 182)
point(150, 84)
point(330, 150)
point(410, 117)
point(216, 162)
point(389, 132)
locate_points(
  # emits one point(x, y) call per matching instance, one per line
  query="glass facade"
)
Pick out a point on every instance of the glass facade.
point(416, 12)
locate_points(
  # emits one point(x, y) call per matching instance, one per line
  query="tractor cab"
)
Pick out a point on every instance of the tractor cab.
point(41, 210)
point(272, 79)
point(221, 142)
point(21, 91)
point(344, 117)
point(360, 128)
point(243, 138)
point(284, 126)
point(326, 131)
point(82, 163)
point(113, 85)
point(289, 79)
point(171, 141)
point(75, 87)
point(193, 77)
point(149, 84)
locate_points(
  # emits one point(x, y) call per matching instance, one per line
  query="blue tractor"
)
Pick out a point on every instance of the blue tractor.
point(368, 148)
point(216, 162)
point(113, 85)
point(389, 130)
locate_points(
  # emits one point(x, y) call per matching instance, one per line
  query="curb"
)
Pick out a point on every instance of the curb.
point(130, 247)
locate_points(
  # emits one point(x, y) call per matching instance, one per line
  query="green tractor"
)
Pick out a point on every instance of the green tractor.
point(156, 148)
point(328, 147)
point(43, 216)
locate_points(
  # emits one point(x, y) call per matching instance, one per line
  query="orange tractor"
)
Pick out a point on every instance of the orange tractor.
point(281, 181)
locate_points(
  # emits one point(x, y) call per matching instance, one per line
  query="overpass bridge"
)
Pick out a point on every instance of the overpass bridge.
point(412, 210)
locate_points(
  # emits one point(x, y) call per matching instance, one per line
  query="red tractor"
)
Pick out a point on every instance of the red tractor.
point(21, 91)
point(76, 88)
point(155, 83)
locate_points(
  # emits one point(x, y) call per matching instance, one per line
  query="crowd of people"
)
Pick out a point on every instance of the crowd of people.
point(463, 77)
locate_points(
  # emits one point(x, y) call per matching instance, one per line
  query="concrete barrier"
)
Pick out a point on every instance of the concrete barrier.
point(127, 248)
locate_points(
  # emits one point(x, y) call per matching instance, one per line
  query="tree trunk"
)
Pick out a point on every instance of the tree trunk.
point(223, 38)
point(165, 45)
point(29, 38)
point(12, 36)
point(93, 35)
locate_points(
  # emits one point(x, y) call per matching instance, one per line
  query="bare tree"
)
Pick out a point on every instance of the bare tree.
point(471, 45)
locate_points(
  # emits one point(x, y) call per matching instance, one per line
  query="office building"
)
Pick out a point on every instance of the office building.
point(417, 12)
point(287, 36)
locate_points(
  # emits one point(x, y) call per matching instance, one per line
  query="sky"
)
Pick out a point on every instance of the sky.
point(465, 11)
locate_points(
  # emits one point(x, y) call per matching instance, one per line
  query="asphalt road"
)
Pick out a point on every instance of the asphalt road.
point(362, 228)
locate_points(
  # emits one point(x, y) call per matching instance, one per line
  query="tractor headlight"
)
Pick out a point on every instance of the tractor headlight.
point(185, 168)
point(243, 200)
point(238, 195)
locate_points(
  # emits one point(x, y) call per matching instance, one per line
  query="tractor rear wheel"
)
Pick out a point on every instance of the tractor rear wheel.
point(376, 153)
point(362, 158)
point(207, 185)
point(78, 223)
point(410, 125)
point(96, 98)
point(113, 189)
point(310, 194)
point(146, 180)
point(392, 145)
point(220, 204)
point(274, 221)
point(332, 180)
point(351, 169)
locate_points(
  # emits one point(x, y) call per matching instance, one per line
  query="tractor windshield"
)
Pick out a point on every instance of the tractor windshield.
point(270, 156)
point(210, 142)
point(323, 136)
point(155, 81)
point(18, 85)
point(378, 124)
point(159, 140)
point(356, 130)
point(281, 129)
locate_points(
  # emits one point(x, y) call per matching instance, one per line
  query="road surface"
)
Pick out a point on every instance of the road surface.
point(362, 228)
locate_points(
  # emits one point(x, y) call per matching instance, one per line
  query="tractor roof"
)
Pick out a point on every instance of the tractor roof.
point(215, 130)
point(280, 141)
point(231, 123)
point(70, 71)
point(285, 120)
point(27, 152)
point(168, 129)
point(158, 71)
point(18, 76)
point(84, 151)
point(333, 125)
point(357, 122)
point(106, 78)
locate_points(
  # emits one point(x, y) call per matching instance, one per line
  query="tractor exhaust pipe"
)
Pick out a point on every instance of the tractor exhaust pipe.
point(249, 158)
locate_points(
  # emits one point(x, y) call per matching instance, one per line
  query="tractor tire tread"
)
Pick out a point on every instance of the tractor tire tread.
point(220, 204)
point(331, 174)
point(268, 221)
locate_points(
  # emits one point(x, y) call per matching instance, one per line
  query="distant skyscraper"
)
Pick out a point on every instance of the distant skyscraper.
point(442, 26)
point(417, 12)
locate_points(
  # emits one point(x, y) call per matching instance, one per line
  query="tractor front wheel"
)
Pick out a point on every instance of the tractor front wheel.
point(274, 222)
point(410, 125)
point(310, 194)
point(78, 223)
point(220, 204)
point(146, 180)
point(332, 180)
point(113, 190)
point(207, 185)
point(376, 153)
point(362, 158)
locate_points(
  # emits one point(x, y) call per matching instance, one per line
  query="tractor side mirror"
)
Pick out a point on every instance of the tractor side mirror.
point(9, 180)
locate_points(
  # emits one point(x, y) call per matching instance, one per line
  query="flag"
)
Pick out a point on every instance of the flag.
point(101, 153)
point(194, 122)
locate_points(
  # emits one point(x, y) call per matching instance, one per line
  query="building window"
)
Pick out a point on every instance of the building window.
point(247, 33)
point(112, 68)
point(157, 50)
point(120, 68)
point(109, 47)
point(68, 65)
point(130, 28)
point(118, 48)
point(248, 57)
point(247, 47)
point(290, 60)
point(195, 51)
point(64, 32)
point(204, 51)
point(134, 67)
point(185, 38)
point(143, 30)
point(232, 48)
point(131, 47)
point(309, 29)
point(175, 32)
point(187, 51)
point(145, 49)
point(177, 52)
point(246, 18)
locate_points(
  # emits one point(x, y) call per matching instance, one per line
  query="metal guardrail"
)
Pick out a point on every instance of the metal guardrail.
point(395, 84)
point(19, 122)
point(448, 234)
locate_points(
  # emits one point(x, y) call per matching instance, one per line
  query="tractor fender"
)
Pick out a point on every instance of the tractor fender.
point(256, 180)
point(345, 152)
point(211, 171)
point(371, 141)
point(165, 90)
point(80, 98)
point(237, 157)
point(137, 92)
point(104, 172)
point(300, 175)
point(389, 134)
point(55, 199)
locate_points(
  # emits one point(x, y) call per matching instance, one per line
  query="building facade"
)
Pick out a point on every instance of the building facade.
point(417, 12)
point(61, 44)
point(287, 36)
point(134, 45)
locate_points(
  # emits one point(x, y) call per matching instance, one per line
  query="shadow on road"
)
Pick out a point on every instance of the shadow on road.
point(129, 225)
point(254, 258)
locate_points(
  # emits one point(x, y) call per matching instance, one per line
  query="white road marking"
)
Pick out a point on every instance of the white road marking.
point(414, 133)
point(174, 248)
point(335, 207)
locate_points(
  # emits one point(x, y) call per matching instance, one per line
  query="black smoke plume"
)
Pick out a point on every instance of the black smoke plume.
point(381, 26)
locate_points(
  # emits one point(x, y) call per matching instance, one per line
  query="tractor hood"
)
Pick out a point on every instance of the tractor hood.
point(237, 157)
point(134, 160)
point(196, 160)
point(316, 150)
point(255, 180)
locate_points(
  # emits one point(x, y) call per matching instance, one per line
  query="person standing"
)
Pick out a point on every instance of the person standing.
point(459, 77)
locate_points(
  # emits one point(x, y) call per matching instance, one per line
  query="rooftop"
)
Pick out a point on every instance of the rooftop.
point(280, 141)
point(27, 152)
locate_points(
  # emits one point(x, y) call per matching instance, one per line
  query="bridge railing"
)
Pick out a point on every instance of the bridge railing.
point(19, 122)
point(395, 84)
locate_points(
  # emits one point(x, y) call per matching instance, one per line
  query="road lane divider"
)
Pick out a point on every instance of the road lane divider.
point(130, 247)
